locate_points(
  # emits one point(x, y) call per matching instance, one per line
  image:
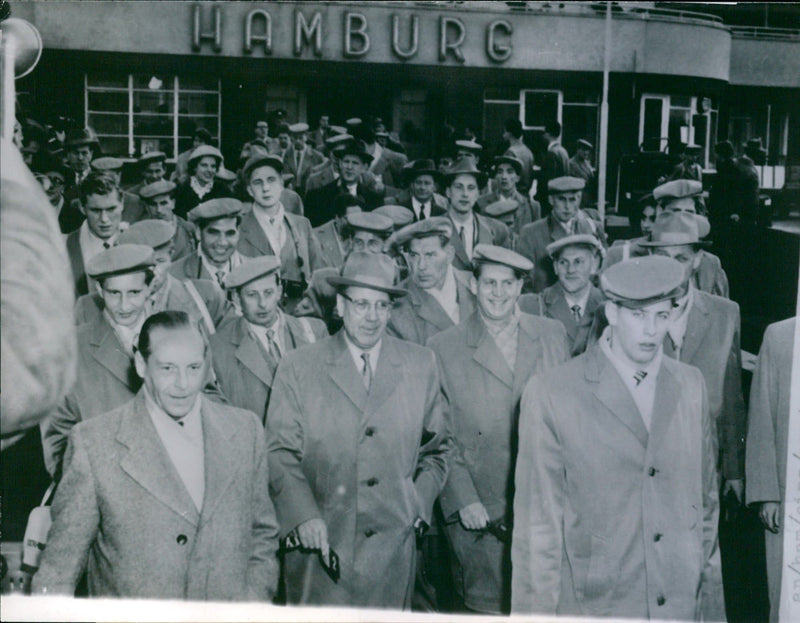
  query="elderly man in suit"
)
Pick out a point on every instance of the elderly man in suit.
point(217, 224)
point(565, 219)
point(439, 295)
point(246, 352)
point(358, 449)
point(573, 299)
point(768, 443)
point(464, 182)
point(485, 363)
point(616, 504)
point(166, 496)
point(268, 229)
point(159, 202)
point(507, 171)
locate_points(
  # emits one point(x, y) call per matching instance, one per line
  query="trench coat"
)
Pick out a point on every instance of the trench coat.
point(768, 440)
point(611, 519)
point(367, 463)
point(484, 393)
point(245, 369)
point(122, 508)
point(418, 316)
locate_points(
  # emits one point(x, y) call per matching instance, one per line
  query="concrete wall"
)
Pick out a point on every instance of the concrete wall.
point(759, 62)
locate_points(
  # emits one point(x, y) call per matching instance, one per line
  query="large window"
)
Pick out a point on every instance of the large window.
point(136, 114)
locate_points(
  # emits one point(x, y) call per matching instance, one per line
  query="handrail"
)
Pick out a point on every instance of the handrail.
point(762, 32)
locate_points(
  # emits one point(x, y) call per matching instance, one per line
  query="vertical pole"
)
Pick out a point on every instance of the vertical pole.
point(7, 57)
point(603, 155)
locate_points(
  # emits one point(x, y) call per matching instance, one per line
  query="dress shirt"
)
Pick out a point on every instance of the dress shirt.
point(274, 227)
point(469, 233)
point(421, 209)
point(357, 351)
point(260, 333)
point(183, 441)
point(91, 245)
point(232, 263)
point(581, 302)
point(506, 339)
point(643, 393)
point(677, 332)
point(447, 296)
point(126, 335)
point(200, 189)
point(352, 189)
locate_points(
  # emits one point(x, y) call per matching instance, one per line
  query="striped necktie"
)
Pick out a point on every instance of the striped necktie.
point(576, 312)
point(639, 376)
point(366, 373)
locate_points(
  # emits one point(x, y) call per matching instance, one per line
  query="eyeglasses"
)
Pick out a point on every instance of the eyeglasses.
point(362, 306)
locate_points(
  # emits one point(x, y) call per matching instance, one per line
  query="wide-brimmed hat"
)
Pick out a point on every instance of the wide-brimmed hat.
point(678, 228)
point(423, 166)
point(464, 166)
point(79, 137)
point(355, 148)
point(368, 270)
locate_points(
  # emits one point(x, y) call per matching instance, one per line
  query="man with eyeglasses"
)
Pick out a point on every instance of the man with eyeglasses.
point(358, 450)
point(573, 299)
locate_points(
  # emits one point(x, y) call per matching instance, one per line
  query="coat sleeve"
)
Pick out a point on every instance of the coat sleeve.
point(435, 444)
point(315, 255)
point(733, 418)
point(55, 432)
point(291, 492)
point(262, 568)
point(711, 595)
point(76, 521)
point(536, 546)
point(761, 464)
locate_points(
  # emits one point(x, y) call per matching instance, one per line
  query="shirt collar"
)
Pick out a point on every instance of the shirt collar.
point(259, 329)
point(190, 421)
point(356, 351)
point(200, 189)
point(582, 301)
point(262, 215)
point(624, 368)
point(507, 329)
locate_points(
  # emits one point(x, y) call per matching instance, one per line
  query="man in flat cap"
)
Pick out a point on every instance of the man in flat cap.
point(485, 362)
point(566, 218)
point(246, 351)
point(268, 229)
point(616, 503)
point(102, 201)
point(166, 496)
point(469, 149)
point(439, 295)
point(688, 168)
point(159, 202)
point(202, 183)
point(354, 489)
point(217, 224)
point(400, 216)
point(331, 235)
point(301, 158)
point(464, 182)
point(152, 167)
point(507, 170)
point(512, 134)
point(573, 299)
point(580, 165)
point(261, 139)
point(421, 177)
point(505, 211)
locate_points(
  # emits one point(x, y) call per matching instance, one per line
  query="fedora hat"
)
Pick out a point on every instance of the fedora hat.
point(465, 166)
point(424, 166)
point(80, 137)
point(368, 270)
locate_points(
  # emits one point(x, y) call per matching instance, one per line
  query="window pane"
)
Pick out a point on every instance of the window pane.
point(680, 101)
point(198, 83)
point(120, 82)
point(198, 103)
point(678, 128)
point(153, 102)
point(114, 145)
point(494, 118)
point(153, 81)
point(187, 125)
point(651, 138)
point(152, 125)
point(109, 124)
point(146, 144)
point(579, 97)
point(579, 122)
point(111, 101)
point(540, 108)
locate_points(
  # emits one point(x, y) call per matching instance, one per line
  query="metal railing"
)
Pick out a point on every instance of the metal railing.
point(764, 33)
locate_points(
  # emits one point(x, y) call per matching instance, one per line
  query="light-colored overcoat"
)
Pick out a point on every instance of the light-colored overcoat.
point(486, 231)
point(612, 518)
point(330, 243)
point(366, 463)
point(483, 393)
point(122, 508)
point(245, 370)
point(768, 440)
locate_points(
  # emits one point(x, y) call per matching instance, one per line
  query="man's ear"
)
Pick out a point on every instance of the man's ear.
point(473, 285)
point(612, 312)
point(340, 305)
point(140, 363)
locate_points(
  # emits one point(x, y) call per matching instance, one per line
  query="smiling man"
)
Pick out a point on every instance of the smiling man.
point(166, 496)
point(616, 504)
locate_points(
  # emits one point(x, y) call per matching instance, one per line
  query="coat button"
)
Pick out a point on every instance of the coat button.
point(657, 537)
point(372, 482)
point(652, 471)
point(661, 600)
point(370, 431)
point(181, 539)
point(369, 532)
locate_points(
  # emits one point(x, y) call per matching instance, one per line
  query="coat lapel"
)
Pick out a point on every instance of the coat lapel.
point(252, 233)
point(251, 355)
point(466, 300)
point(108, 352)
point(487, 354)
point(343, 372)
point(696, 328)
point(529, 356)
point(557, 308)
point(388, 375)
point(428, 308)
point(612, 393)
point(148, 463)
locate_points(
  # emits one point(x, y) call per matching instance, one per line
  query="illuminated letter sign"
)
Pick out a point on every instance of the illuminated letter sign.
point(410, 52)
point(445, 44)
point(303, 33)
point(496, 51)
point(355, 28)
point(249, 37)
point(214, 35)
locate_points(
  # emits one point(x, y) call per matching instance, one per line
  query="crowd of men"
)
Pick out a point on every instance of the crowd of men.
point(327, 375)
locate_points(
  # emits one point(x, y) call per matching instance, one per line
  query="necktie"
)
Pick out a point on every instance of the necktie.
point(274, 349)
point(106, 244)
point(422, 216)
point(461, 233)
point(220, 277)
point(639, 376)
point(576, 312)
point(366, 373)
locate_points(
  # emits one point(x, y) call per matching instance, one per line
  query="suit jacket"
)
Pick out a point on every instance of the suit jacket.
point(390, 167)
point(122, 507)
point(768, 439)
point(367, 463)
point(610, 518)
point(319, 201)
point(330, 243)
point(527, 212)
point(483, 393)
point(192, 267)
point(245, 369)
point(419, 316)
point(533, 241)
point(438, 203)
point(307, 160)
point(553, 304)
point(73, 242)
point(487, 231)
point(556, 164)
point(584, 170)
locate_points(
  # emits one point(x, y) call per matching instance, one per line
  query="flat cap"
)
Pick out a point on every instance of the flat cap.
point(501, 208)
point(400, 216)
point(677, 189)
point(583, 143)
point(642, 281)
point(206, 150)
point(516, 163)
point(161, 187)
point(338, 141)
point(369, 221)
point(337, 129)
point(216, 208)
point(565, 184)
point(107, 163)
point(583, 240)
point(469, 145)
point(262, 160)
point(492, 254)
point(381, 134)
point(434, 226)
point(354, 121)
point(368, 270)
point(298, 128)
point(678, 228)
point(152, 156)
point(150, 232)
point(251, 269)
point(119, 260)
